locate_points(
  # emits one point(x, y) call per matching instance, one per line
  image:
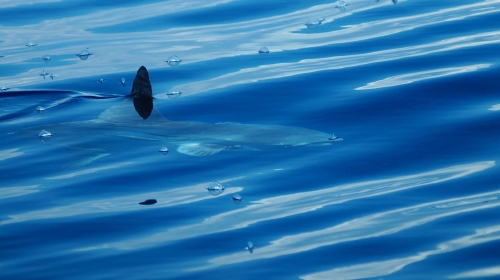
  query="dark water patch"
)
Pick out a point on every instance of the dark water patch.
point(6, 94)
point(309, 89)
point(11, 70)
point(215, 107)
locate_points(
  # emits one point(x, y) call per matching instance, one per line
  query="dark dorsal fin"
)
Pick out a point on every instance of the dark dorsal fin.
point(142, 93)
point(142, 86)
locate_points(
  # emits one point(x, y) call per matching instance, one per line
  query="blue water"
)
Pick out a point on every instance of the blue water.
point(410, 193)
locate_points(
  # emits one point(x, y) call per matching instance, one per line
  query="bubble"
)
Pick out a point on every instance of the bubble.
point(163, 150)
point(312, 23)
point(237, 198)
point(342, 5)
point(40, 109)
point(44, 135)
point(263, 50)
point(174, 93)
point(335, 138)
point(249, 247)
point(173, 60)
point(84, 54)
point(31, 44)
point(46, 58)
point(215, 188)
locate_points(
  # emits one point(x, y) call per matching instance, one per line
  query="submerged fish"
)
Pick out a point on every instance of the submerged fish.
point(191, 138)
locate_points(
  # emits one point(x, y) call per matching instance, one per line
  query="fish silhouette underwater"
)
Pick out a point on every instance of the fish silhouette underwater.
point(135, 117)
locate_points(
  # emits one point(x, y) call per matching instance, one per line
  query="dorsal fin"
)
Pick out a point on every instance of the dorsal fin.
point(142, 92)
point(140, 99)
point(142, 86)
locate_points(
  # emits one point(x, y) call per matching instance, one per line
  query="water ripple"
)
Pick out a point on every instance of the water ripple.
point(122, 204)
point(201, 43)
point(274, 71)
point(288, 205)
point(9, 192)
point(383, 268)
point(11, 153)
point(375, 225)
point(420, 76)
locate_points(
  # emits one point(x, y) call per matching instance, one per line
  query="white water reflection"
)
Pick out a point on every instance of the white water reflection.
point(10, 3)
point(495, 107)
point(9, 192)
point(11, 153)
point(123, 204)
point(374, 225)
point(383, 268)
point(88, 171)
point(420, 76)
point(293, 204)
point(479, 273)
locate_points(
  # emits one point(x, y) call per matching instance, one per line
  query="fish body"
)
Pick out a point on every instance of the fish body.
point(135, 117)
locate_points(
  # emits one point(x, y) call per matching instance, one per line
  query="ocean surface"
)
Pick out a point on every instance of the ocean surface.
point(412, 87)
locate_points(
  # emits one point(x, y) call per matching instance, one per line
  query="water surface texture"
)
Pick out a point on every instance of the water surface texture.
point(412, 191)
